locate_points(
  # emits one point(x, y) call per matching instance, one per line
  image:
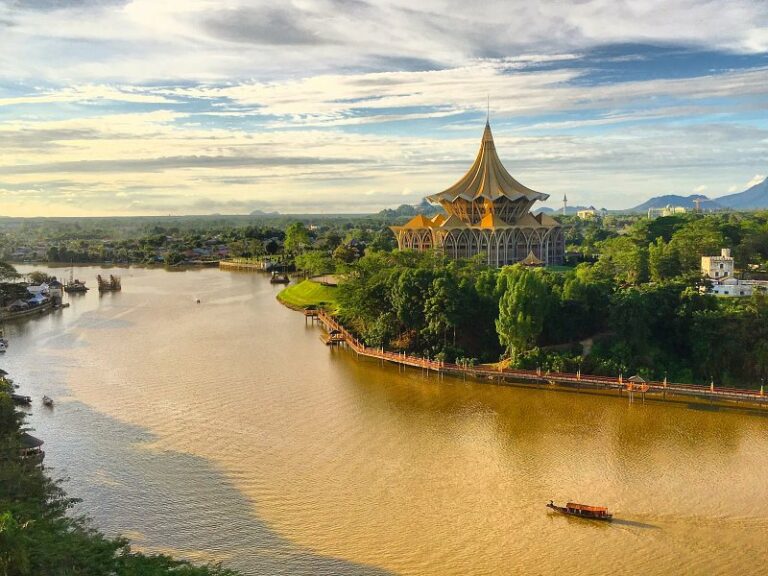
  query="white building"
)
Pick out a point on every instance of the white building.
point(733, 287)
point(717, 267)
point(668, 210)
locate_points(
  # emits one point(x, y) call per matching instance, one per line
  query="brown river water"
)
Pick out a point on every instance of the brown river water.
point(227, 431)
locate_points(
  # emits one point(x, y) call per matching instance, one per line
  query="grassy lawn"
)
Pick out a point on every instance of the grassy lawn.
point(307, 293)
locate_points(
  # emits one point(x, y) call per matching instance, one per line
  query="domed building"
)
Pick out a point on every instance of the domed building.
point(486, 212)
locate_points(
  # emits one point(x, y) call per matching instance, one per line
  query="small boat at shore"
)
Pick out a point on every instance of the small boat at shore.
point(582, 511)
point(279, 278)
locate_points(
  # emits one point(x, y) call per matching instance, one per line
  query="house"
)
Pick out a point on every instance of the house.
point(717, 267)
point(588, 213)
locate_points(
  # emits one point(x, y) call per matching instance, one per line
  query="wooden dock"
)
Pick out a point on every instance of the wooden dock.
point(237, 264)
point(623, 387)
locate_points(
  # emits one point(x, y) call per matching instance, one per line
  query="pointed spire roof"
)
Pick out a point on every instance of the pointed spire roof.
point(487, 178)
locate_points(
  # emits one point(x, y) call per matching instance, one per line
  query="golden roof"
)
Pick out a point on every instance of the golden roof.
point(453, 221)
point(487, 178)
point(528, 220)
point(419, 221)
point(438, 219)
point(490, 220)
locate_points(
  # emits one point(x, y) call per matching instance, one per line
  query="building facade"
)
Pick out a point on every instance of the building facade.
point(718, 267)
point(486, 212)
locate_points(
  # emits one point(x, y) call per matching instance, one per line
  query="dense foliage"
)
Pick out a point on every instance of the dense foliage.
point(39, 535)
point(640, 306)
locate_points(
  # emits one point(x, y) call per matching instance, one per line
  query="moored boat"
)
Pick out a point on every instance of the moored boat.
point(582, 510)
point(279, 278)
point(48, 401)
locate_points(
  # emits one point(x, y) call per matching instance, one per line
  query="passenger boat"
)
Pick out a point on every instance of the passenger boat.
point(582, 511)
point(278, 278)
point(74, 285)
point(48, 401)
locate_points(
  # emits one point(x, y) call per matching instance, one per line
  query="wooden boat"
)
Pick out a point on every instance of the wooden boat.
point(582, 511)
point(21, 399)
point(48, 401)
point(279, 278)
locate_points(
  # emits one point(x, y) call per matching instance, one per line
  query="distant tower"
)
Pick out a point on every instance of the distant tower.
point(565, 204)
point(697, 203)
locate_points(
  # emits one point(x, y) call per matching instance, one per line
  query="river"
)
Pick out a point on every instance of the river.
point(226, 430)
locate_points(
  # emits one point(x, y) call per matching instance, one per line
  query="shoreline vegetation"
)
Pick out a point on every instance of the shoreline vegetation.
point(637, 308)
point(39, 534)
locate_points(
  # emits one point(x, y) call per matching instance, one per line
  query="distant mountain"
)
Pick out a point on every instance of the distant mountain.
point(423, 207)
point(262, 213)
point(675, 200)
point(754, 198)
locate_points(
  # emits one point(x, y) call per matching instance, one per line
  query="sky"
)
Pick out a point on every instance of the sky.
point(144, 107)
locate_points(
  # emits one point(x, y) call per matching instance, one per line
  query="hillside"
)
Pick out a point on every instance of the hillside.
point(753, 198)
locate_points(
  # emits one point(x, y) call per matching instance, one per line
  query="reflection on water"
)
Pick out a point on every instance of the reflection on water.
point(227, 430)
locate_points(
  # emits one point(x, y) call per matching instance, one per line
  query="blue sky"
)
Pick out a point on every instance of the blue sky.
point(199, 106)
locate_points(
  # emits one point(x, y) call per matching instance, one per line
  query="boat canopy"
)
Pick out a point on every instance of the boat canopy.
point(586, 508)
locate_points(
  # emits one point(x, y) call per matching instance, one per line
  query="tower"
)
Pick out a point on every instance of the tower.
point(565, 204)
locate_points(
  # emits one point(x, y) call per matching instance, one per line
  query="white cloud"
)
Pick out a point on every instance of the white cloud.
point(756, 179)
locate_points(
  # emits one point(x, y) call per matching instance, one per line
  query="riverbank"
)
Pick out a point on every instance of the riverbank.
point(36, 311)
point(39, 536)
point(632, 388)
point(308, 293)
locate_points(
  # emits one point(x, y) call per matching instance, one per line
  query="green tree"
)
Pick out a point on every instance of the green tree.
point(521, 318)
point(314, 262)
point(698, 238)
point(296, 238)
point(630, 260)
point(663, 261)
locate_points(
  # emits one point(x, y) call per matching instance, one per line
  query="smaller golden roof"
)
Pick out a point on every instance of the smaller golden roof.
point(419, 221)
point(453, 221)
point(438, 219)
point(493, 221)
point(527, 220)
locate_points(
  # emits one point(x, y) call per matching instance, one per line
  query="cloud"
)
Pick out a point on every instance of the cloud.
point(273, 26)
point(756, 179)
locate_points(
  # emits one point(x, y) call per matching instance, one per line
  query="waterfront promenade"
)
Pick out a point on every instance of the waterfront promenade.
point(623, 386)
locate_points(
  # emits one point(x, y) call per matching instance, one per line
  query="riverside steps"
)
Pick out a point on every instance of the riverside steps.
point(628, 388)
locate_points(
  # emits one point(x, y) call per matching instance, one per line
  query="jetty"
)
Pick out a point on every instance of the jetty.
point(629, 388)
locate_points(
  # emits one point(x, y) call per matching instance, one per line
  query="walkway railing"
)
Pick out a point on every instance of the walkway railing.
point(568, 378)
